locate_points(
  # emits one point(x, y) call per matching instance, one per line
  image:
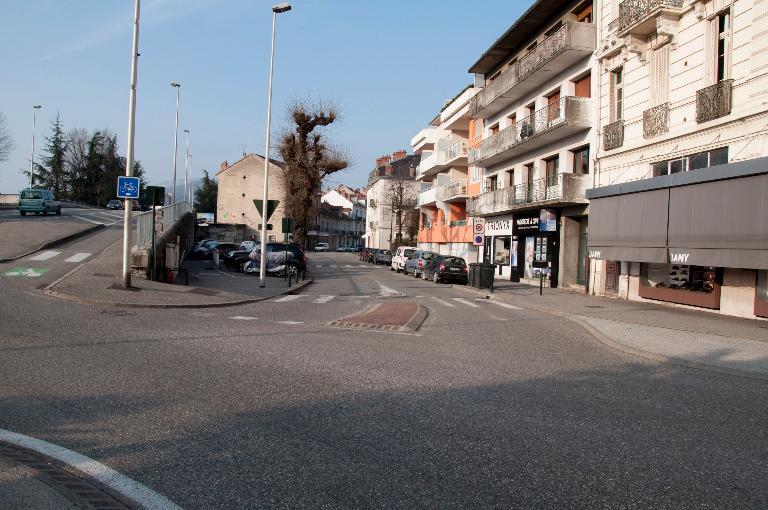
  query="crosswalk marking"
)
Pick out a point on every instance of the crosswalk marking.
point(323, 299)
point(348, 265)
point(333, 265)
point(244, 318)
point(465, 302)
point(289, 297)
point(290, 323)
point(443, 302)
point(78, 257)
point(46, 255)
point(506, 305)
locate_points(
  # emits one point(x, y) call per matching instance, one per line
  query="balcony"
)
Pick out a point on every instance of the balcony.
point(570, 44)
point(641, 17)
point(450, 153)
point(428, 197)
point(613, 135)
point(456, 191)
point(426, 138)
point(456, 232)
point(549, 124)
point(656, 121)
point(560, 190)
point(714, 101)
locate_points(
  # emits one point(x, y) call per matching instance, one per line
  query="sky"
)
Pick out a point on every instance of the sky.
point(388, 66)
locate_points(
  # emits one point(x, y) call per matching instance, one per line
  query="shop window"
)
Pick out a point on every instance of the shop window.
point(680, 283)
point(696, 161)
point(501, 250)
point(581, 160)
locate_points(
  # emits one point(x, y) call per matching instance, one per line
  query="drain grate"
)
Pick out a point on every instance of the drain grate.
point(203, 291)
point(82, 493)
point(364, 325)
point(117, 313)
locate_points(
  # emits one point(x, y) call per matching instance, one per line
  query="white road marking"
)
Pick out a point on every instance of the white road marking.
point(46, 255)
point(333, 265)
point(506, 305)
point(119, 483)
point(444, 303)
point(323, 299)
point(388, 291)
point(244, 318)
point(348, 265)
point(289, 297)
point(318, 266)
point(290, 323)
point(500, 319)
point(201, 314)
point(465, 302)
point(78, 257)
point(88, 220)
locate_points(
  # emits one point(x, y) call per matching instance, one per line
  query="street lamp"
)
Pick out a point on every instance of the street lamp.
point(32, 155)
point(276, 9)
point(177, 86)
point(191, 191)
point(126, 276)
point(186, 167)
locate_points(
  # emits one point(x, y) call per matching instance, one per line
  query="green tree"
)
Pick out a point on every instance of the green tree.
point(52, 172)
point(206, 195)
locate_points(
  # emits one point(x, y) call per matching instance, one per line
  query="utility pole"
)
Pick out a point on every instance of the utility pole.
point(177, 86)
point(186, 167)
point(32, 154)
point(129, 150)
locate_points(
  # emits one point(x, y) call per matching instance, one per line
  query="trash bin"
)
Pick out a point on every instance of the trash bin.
point(485, 276)
point(514, 276)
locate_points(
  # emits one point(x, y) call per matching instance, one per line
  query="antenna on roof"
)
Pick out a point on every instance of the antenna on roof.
point(243, 147)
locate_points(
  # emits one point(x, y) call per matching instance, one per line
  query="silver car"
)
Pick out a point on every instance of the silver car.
point(383, 257)
point(418, 261)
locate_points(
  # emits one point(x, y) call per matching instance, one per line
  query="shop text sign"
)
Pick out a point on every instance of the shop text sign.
point(499, 226)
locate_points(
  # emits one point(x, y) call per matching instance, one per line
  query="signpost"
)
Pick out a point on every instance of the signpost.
point(127, 187)
point(271, 206)
point(287, 229)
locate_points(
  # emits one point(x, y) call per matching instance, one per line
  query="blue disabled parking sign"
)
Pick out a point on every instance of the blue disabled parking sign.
point(127, 187)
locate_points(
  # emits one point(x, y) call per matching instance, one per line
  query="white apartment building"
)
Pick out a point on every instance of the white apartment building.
point(443, 176)
point(680, 209)
point(538, 140)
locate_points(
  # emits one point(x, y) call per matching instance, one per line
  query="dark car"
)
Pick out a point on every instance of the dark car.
point(237, 259)
point(114, 204)
point(447, 268)
point(382, 257)
point(371, 255)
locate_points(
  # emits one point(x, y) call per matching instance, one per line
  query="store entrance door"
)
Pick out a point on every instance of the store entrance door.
point(612, 272)
point(581, 276)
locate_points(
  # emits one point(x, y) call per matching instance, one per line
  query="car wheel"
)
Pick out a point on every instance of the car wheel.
point(435, 278)
point(58, 211)
point(23, 213)
point(45, 212)
point(392, 268)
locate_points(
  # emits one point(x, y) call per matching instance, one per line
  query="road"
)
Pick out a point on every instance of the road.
point(265, 405)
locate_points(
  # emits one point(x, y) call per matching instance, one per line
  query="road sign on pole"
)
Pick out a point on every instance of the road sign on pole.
point(287, 225)
point(478, 240)
point(127, 187)
point(271, 207)
point(479, 226)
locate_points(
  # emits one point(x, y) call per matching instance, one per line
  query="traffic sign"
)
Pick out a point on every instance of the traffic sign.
point(287, 225)
point(479, 226)
point(478, 240)
point(127, 187)
point(271, 206)
point(30, 272)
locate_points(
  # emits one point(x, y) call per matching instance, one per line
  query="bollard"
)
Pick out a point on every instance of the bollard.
point(541, 283)
point(215, 259)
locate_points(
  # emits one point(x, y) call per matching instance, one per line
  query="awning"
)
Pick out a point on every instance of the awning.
point(633, 254)
point(720, 257)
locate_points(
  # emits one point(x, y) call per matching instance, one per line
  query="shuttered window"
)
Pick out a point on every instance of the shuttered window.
point(659, 63)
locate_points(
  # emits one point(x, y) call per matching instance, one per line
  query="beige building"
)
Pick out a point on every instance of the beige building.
point(242, 182)
point(381, 227)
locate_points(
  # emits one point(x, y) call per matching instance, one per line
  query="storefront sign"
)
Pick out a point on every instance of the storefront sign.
point(499, 225)
point(547, 220)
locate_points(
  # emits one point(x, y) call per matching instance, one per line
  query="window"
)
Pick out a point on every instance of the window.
point(511, 177)
point(722, 24)
point(475, 173)
point(617, 94)
point(528, 182)
point(501, 250)
point(554, 29)
point(659, 68)
point(583, 86)
point(477, 128)
point(511, 119)
point(682, 277)
point(493, 129)
point(693, 162)
point(584, 13)
point(581, 160)
point(552, 169)
point(492, 183)
point(553, 107)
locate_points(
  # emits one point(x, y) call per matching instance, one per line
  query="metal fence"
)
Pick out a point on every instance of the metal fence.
point(9, 201)
point(165, 218)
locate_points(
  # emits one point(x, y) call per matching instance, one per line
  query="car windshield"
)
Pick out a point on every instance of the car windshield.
point(408, 253)
point(456, 261)
point(385, 252)
point(427, 255)
point(32, 194)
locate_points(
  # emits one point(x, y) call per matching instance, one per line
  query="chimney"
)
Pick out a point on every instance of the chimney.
point(399, 155)
point(223, 166)
point(388, 170)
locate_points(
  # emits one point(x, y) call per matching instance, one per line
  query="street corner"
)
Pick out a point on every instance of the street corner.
point(392, 317)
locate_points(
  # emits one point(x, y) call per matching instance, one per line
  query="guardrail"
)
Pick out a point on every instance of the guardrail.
point(165, 218)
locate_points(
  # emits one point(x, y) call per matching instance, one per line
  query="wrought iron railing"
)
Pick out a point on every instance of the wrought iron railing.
point(456, 150)
point(559, 187)
point(551, 116)
point(544, 52)
point(494, 89)
point(656, 121)
point(633, 11)
point(613, 135)
point(453, 190)
point(714, 101)
point(613, 25)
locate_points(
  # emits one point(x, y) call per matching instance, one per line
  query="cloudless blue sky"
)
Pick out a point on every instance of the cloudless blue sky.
point(388, 65)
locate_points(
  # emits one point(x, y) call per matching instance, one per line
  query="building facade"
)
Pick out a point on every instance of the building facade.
point(535, 120)
point(678, 213)
point(381, 228)
point(242, 182)
point(443, 177)
point(352, 203)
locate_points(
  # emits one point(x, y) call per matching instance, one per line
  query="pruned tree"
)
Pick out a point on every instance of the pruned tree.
point(401, 199)
point(6, 140)
point(308, 160)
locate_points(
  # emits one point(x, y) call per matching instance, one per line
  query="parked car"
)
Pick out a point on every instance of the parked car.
point(371, 255)
point(322, 247)
point(443, 268)
point(35, 200)
point(359, 248)
point(114, 204)
point(202, 249)
point(416, 262)
point(247, 245)
point(400, 256)
point(236, 260)
point(383, 257)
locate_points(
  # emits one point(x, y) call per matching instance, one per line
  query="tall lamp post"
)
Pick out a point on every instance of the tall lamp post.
point(276, 9)
point(32, 155)
point(186, 167)
point(126, 276)
point(177, 86)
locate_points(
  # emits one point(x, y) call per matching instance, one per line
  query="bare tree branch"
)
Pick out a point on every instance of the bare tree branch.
point(6, 140)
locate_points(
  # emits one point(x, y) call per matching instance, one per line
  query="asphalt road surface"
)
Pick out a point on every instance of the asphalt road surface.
point(265, 405)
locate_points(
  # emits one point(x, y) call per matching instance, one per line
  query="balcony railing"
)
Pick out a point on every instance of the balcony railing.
point(656, 121)
point(635, 12)
point(427, 197)
point(456, 150)
point(458, 223)
point(568, 110)
point(452, 191)
point(573, 40)
point(714, 101)
point(613, 135)
point(567, 188)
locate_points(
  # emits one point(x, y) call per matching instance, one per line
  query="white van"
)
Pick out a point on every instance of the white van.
point(400, 256)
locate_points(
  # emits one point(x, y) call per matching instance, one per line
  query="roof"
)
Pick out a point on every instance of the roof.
point(277, 163)
point(528, 25)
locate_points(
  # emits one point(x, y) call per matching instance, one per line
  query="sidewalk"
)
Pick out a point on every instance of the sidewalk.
point(30, 236)
point(97, 282)
point(689, 337)
point(20, 487)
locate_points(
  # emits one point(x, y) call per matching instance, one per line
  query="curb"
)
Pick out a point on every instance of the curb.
point(626, 349)
point(56, 242)
point(48, 291)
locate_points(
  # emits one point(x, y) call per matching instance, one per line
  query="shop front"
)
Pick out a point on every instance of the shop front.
point(498, 247)
point(535, 242)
